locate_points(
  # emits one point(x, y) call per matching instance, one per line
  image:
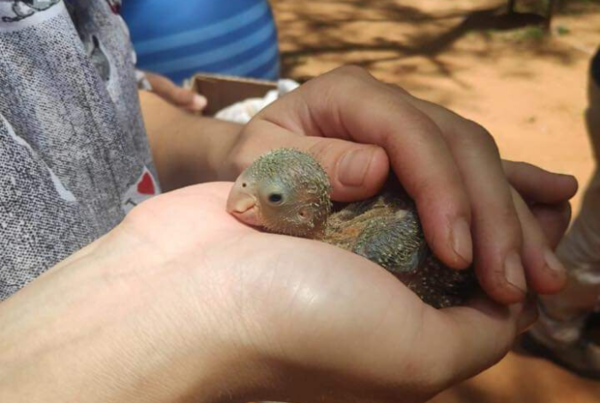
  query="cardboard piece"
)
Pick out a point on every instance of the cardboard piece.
point(223, 91)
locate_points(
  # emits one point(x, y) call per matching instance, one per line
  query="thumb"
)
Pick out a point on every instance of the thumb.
point(460, 342)
point(356, 171)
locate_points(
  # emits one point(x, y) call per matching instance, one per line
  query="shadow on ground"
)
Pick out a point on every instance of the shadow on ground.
point(321, 35)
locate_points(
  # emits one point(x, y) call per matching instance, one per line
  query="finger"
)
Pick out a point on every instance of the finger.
point(176, 95)
point(475, 337)
point(356, 171)
point(496, 226)
point(554, 221)
point(334, 106)
point(538, 185)
point(545, 274)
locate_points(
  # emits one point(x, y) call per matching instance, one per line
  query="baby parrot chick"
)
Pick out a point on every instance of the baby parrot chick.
point(288, 192)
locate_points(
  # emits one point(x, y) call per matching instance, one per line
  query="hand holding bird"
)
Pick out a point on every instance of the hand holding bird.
point(287, 192)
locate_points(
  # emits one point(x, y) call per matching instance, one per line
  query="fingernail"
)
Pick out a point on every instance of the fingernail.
point(461, 240)
point(199, 102)
point(553, 263)
point(353, 167)
point(514, 273)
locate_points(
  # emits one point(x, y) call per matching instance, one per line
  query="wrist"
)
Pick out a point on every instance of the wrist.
point(99, 328)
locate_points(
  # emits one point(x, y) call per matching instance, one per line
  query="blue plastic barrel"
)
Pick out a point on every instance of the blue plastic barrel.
point(180, 38)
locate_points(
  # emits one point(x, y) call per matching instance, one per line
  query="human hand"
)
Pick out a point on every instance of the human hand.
point(176, 95)
point(356, 126)
point(183, 303)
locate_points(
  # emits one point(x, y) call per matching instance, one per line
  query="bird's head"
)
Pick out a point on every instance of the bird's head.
point(285, 191)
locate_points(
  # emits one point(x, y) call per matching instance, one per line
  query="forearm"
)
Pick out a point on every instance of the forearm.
point(89, 331)
point(187, 149)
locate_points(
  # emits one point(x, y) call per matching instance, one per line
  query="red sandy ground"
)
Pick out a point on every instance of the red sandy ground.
point(530, 92)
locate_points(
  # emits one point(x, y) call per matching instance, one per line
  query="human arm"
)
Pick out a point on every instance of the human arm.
point(182, 303)
point(141, 314)
point(187, 149)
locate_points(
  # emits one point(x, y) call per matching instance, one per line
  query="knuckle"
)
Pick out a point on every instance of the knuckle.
point(396, 89)
point(504, 218)
point(352, 71)
point(347, 78)
point(339, 82)
point(323, 150)
point(473, 127)
point(491, 278)
point(419, 124)
point(424, 122)
point(508, 215)
point(342, 83)
point(475, 134)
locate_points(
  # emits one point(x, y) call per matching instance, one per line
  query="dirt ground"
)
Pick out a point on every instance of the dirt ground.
point(527, 88)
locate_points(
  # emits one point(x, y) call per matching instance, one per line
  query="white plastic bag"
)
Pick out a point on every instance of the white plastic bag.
point(242, 112)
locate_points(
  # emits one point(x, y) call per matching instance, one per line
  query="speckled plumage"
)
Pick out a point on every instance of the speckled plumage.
point(310, 188)
point(384, 229)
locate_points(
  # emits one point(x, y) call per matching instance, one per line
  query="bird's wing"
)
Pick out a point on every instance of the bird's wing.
point(395, 242)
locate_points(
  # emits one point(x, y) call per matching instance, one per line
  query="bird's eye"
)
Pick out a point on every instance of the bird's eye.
point(244, 185)
point(275, 198)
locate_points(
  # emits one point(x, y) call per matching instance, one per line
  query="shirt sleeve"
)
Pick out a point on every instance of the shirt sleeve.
point(74, 157)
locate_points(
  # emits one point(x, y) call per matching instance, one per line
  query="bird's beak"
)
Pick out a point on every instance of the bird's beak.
point(243, 206)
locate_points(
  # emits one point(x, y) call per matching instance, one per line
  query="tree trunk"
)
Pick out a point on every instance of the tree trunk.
point(549, 14)
point(511, 6)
